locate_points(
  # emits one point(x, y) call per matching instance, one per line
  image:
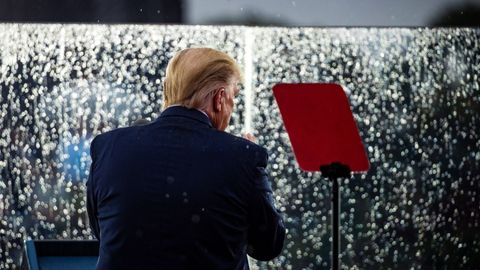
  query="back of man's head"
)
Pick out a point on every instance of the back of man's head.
point(194, 74)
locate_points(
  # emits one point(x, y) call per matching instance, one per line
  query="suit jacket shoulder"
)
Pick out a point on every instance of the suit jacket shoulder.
point(245, 150)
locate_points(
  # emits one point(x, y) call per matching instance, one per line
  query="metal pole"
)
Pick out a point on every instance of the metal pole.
point(335, 224)
point(334, 172)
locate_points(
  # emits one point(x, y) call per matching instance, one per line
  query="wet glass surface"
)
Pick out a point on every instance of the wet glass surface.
point(414, 93)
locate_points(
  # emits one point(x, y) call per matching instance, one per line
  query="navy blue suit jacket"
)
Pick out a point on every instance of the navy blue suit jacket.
point(179, 194)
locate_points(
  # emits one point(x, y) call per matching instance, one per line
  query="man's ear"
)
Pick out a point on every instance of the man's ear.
point(219, 99)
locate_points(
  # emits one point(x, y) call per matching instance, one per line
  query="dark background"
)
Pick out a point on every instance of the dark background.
point(247, 12)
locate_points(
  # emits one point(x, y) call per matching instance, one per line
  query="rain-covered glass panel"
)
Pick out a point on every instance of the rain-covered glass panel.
point(414, 93)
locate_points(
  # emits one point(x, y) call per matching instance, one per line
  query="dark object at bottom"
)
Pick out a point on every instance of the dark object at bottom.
point(60, 254)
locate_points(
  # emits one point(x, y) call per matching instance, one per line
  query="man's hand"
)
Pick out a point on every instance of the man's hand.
point(249, 137)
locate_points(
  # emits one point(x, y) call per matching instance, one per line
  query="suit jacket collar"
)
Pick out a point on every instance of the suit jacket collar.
point(185, 112)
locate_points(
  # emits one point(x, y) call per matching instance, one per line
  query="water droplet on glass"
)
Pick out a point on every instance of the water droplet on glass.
point(413, 92)
point(195, 218)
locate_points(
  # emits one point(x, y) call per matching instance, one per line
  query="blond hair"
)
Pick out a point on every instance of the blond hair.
point(194, 74)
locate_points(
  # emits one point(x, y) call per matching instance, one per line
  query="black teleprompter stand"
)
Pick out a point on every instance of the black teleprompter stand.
point(334, 172)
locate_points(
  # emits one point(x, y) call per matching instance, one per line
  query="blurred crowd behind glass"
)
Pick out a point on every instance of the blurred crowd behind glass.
point(414, 93)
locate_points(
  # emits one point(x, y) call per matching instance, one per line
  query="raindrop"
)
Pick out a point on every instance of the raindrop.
point(414, 93)
point(195, 218)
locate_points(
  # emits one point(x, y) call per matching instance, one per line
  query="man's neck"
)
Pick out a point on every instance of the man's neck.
point(180, 105)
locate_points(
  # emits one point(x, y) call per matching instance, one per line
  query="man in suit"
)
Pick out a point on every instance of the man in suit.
point(179, 192)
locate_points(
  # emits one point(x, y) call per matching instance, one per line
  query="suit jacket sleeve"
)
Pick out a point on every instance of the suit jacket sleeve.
point(266, 232)
point(91, 199)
